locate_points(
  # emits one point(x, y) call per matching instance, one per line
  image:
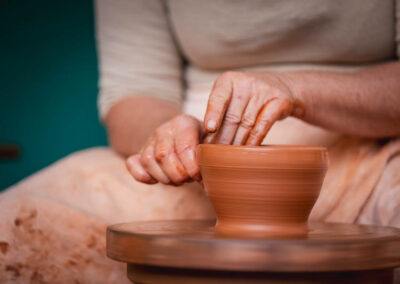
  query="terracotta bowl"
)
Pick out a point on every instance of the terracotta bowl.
point(268, 189)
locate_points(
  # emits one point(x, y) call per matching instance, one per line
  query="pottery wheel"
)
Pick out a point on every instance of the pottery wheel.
point(195, 245)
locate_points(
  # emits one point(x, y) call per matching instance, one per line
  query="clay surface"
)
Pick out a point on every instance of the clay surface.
point(264, 189)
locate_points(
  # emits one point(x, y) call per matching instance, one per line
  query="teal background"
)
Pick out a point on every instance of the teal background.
point(48, 83)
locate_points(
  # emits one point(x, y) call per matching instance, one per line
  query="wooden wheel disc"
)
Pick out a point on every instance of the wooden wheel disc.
point(195, 245)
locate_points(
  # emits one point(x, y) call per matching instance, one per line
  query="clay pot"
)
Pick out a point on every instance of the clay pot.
point(268, 189)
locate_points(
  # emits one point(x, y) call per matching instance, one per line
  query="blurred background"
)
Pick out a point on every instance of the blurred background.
point(48, 84)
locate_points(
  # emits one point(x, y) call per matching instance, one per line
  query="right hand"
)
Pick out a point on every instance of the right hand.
point(169, 156)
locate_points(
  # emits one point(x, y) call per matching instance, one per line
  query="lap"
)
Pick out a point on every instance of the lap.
point(383, 206)
point(53, 223)
point(96, 183)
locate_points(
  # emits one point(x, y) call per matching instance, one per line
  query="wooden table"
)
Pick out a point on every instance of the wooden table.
point(192, 252)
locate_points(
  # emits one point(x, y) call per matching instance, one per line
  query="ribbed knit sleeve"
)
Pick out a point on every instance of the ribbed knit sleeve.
point(137, 53)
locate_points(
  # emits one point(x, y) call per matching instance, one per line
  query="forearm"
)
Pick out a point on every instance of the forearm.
point(132, 120)
point(363, 103)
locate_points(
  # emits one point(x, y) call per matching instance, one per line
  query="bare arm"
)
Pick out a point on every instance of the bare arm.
point(132, 120)
point(363, 103)
point(243, 106)
point(137, 55)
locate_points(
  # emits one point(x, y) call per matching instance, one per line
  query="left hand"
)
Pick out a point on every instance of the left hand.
point(169, 156)
point(242, 107)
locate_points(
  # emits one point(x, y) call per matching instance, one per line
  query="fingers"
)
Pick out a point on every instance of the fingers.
point(269, 114)
point(149, 163)
point(218, 102)
point(170, 156)
point(234, 112)
point(137, 171)
point(186, 142)
point(249, 118)
point(243, 106)
point(167, 158)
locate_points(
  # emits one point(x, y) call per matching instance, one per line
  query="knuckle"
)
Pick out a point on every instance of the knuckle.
point(232, 118)
point(254, 133)
point(181, 118)
point(241, 95)
point(263, 122)
point(263, 87)
point(163, 128)
point(248, 122)
point(145, 159)
point(228, 75)
point(184, 120)
point(218, 97)
point(182, 148)
point(179, 175)
point(161, 154)
point(245, 82)
point(159, 131)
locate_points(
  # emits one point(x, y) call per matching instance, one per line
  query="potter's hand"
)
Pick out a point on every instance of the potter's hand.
point(243, 106)
point(169, 156)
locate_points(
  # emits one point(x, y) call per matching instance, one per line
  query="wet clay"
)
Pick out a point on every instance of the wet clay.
point(262, 189)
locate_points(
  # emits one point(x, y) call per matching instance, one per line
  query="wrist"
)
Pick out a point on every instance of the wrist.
point(295, 84)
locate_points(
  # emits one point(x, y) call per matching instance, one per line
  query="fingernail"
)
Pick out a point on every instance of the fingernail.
point(129, 161)
point(211, 124)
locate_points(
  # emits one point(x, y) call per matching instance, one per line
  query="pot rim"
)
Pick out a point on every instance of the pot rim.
point(265, 156)
point(273, 147)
